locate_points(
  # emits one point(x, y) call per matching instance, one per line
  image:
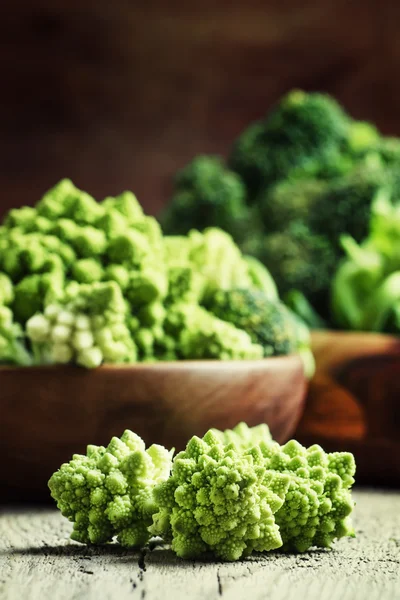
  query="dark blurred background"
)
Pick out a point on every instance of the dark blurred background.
point(118, 95)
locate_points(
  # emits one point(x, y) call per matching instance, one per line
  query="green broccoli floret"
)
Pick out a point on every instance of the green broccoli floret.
point(218, 499)
point(86, 327)
point(303, 126)
point(267, 322)
point(388, 149)
point(345, 206)
point(207, 194)
point(289, 200)
point(108, 491)
point(299, 259)
point(362, 137)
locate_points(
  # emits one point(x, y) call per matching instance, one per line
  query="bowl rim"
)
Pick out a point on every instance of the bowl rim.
point(174, 364)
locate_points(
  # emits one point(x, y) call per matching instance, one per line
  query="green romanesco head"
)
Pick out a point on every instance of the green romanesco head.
point(318, 502)
point(108, 491)
point(219, 500)
point(87, 326)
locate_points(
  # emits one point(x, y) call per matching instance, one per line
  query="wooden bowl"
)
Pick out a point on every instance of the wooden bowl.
point(354, 402)
point(49, 413)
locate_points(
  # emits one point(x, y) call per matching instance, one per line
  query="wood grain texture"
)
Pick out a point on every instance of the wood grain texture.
point(49, 413)
point(353, 402)
point(119, 95)
point(38, 562)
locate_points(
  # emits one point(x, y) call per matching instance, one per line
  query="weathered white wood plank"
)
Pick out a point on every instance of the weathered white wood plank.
point(38, 562)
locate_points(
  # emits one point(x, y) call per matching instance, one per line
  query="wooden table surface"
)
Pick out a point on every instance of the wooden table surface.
point(37, 561)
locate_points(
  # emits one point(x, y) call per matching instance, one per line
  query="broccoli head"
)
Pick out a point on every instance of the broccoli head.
point(289, 200)
point(303, 126)
point(207, 194)
point(299, 259)
point(345, 205)
point(267, 322)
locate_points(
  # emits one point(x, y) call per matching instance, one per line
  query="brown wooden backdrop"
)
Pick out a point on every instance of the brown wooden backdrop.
point(118, 94)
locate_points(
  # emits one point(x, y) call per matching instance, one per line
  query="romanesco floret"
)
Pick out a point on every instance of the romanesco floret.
point(243, 436)
point(12, 348)
point(6, 290)
point(219, 500)
point(108, 491)
point(87, 327)
point(318, 503)
point(66, 201)
point(218, 258)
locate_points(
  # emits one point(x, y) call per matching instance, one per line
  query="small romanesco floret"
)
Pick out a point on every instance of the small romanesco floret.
point(318, 504)
point(218, 499)
point(219, 260)
point(267, 322)
point(243, 436)
point(12, 346)
point(108, 491)
point(87, 327)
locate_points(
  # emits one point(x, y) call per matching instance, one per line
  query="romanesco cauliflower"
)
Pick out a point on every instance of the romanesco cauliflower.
point(220, 500)
point(108, 491)
point(87, 327)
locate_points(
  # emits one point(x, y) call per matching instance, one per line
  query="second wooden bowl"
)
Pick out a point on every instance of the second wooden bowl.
point(354, 402)
point(49, 413)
